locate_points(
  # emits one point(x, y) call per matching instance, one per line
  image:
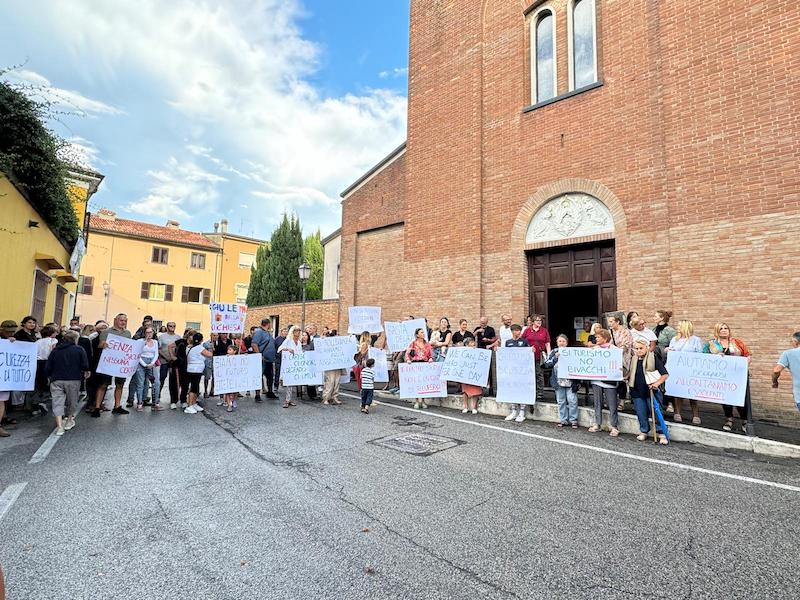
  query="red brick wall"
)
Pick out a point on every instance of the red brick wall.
point(322, 313)
point(692, 141)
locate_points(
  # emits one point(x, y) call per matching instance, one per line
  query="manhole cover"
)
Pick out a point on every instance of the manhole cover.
point(418, 444)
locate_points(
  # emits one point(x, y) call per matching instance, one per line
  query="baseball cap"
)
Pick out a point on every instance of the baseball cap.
point(8, 324)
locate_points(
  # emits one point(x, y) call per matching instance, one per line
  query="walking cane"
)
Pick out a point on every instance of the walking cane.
point(653, 415)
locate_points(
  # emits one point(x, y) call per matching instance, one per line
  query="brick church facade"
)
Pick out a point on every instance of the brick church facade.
point(573, 157)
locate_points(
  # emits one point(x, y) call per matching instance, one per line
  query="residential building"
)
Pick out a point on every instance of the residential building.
point(332, 251)
point(142, 269)
point(577, 157)
point(37, 276)
point(237, 256)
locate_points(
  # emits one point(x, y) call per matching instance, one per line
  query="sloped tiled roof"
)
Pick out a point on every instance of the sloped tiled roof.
point(146, 231)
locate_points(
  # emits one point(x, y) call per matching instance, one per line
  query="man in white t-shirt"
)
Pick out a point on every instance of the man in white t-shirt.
point(790, 360)
point(504, 332)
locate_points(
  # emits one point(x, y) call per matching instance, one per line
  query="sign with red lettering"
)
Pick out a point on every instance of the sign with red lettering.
point(120, 356)
point(422, 380)
point(707, 377)
point(227, 318)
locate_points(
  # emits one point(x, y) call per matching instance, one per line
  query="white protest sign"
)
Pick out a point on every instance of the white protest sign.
point(227, 318)
point(598, 364)
point(237, 373)
point(301, 368)
point(708, 377)
point(381, 367)
point(422, 380)
point(345, 378)
point(364, 318)
point(120, 357)
point(17, 366)
point(400, 334)
point(467, 365)
point(335, 352)
point(516, 376)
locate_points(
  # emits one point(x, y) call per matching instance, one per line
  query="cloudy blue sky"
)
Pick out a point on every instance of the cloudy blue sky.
point(199, 110)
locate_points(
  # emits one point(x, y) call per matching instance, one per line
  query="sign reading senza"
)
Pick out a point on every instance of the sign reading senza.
point(227, 318)
point(707, 377)
point(599, 364)
point(467, 365)
point(422, 380)
point(120, 356)
point(17, 366)
point(364, 318)
point(237, 373)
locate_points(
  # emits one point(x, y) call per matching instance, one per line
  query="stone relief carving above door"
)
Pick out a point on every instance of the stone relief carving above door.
point(569, 216)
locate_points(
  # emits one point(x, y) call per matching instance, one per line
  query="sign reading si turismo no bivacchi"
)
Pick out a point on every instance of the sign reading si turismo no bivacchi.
point(599, 364)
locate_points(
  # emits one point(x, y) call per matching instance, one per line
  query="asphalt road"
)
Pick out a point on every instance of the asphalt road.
point(306, 502)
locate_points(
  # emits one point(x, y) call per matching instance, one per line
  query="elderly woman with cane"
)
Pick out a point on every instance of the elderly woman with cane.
point(647, 375)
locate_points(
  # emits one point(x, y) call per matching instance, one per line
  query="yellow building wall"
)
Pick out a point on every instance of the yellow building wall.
point(124, 264)
point(20, 244)
point(229, 272)
point(79, 196)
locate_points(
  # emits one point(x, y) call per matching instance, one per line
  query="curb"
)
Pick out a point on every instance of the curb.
point(627, 424)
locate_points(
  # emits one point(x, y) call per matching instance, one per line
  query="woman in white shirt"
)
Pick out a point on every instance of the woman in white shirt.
point(640, 332)
point(292, 344)
point(146, 371)
point(685, 341)
point(196, 364)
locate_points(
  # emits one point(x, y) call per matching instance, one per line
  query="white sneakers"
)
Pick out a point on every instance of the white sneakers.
point(69, 423)
point(198, 408)
point(512, 416)
point(173, 406)
point(184, 405)
point(520, 417)
point(464, 411)
point(59, 431)
point(416, 405)
point(424, 406)
point(190, 410)
point(474, 411)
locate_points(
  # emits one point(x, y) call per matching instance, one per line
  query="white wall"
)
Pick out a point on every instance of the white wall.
point(330, 280)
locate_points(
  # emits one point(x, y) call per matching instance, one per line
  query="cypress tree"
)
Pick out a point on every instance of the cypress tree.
point(314, 256)
point(281, 282)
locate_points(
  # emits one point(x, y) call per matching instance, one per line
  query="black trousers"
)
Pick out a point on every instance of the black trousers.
point(169, 370)
point(277, 377)
point(183, 384)
point(269, 373)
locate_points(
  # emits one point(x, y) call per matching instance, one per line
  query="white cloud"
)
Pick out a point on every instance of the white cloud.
point(82, 152)
point(238, 73)
point(394, 73)
point(39, 87)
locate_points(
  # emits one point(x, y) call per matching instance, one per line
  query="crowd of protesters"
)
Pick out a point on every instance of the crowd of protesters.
point(68, 357)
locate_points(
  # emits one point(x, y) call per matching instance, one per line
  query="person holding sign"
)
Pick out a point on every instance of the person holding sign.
point(605, 390)
point(647, 375)
point(195, 367)
point(7, 330)
point(685, 341)
point(330, 388)
point(724, 343)
point(293, 345)
point(471, 392)
point(120, 323)
point(566, 389)
point(517, 341)
point(419, 351)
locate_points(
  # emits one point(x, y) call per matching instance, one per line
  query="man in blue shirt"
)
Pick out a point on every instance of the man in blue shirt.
point(264, 344)
point(790, 360)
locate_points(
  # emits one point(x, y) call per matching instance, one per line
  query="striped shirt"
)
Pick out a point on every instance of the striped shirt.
point(368, 379)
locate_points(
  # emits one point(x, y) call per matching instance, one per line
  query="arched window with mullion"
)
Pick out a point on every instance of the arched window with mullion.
point(583, 44)
point(544, 56)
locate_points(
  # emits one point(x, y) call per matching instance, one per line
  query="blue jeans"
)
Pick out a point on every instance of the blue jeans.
point(567, 404)
point(141, 378)
point(642, 407)
point(366, 397)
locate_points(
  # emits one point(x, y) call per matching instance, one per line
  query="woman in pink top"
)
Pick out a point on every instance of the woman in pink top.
point(419, 351)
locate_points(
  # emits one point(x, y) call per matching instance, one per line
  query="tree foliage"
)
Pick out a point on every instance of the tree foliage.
point(29, 154)
point(315, 257)
point(255, 293)
point(281, 282)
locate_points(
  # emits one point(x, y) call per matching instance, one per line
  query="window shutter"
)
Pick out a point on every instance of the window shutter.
point(184, 294)
point(168, 293)
point(145, 290)
point(206, 299)
point(88, 285)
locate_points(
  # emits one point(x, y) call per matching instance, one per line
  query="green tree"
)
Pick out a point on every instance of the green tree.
point(281, 281)
point(255, 293)
point(314, 256)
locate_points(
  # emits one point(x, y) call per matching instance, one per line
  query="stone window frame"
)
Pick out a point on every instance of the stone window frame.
point(570, 44)
point(533, 18)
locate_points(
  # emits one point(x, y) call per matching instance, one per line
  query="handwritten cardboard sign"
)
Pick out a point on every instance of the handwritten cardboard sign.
point(227, 318)
point(381, 365)
point(516, 376)
point(596, 364)
point(301, 368)
point(335, 352)
point(707, 377)
point(422, 380)
point(400, 334)
point(467, 365)
point(17, 366)
point(237, 373)
point(120, 356)
point(364, 318)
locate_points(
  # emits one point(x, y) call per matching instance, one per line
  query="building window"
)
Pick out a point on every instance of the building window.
point(583, 44)
point(198, 261)
point(85, 285)
point(160, 255)
point(58, 311)
point(156, 291)
point(195, 295)
point(241, 292)
point(157, 325)
point(40, 284)
point(246, 260)
point(543, 56)
point(194, 325)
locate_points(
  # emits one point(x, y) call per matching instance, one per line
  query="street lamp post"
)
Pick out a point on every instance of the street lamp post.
point(107, 292)
point(304, 270)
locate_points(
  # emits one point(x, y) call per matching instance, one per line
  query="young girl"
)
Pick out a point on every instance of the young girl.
point(230, 398)
point(471, 392)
